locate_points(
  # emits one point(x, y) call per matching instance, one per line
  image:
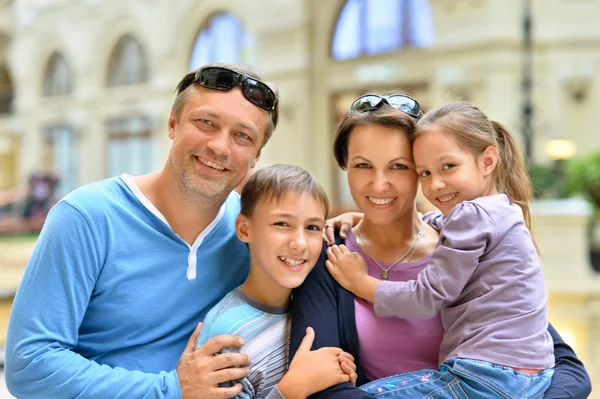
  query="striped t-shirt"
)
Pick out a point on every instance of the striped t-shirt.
point(266, 332)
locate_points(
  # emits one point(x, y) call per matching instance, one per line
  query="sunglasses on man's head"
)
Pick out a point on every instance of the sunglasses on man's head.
point(219, 78)
point(402, 102)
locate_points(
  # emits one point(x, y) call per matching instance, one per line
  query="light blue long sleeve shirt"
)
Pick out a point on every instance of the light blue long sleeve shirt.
point(111, 296)
point(266, 333)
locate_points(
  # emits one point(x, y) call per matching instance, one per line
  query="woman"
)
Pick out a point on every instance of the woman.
point(372, 144)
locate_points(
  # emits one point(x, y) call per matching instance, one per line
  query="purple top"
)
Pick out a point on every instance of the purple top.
point(389, 345)
point(485, 279)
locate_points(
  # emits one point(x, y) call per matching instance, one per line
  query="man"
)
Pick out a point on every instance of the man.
point(125, 268)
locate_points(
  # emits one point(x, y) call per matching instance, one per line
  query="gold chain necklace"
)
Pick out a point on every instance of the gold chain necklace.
point(385, 275)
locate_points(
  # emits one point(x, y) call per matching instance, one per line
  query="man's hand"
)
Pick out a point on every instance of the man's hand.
point(349, 269)
point(201, 370)
point(313, 371)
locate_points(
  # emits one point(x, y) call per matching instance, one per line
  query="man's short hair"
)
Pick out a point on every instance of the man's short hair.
point(275, 181)
point(184, 87)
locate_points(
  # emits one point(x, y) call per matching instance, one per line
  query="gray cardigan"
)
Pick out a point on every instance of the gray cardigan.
point(486, 280)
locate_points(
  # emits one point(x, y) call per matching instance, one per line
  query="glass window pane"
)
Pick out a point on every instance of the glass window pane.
point(368, 27)
point(223, 40)
point(383, 26)
point(130, 146)
point(347, 38)
point(422, 33)
point(64, 157)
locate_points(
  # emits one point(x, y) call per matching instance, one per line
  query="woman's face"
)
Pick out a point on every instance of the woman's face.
point(381, 172)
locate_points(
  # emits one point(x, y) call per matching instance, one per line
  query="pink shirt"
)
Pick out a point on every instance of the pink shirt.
point(389, 345)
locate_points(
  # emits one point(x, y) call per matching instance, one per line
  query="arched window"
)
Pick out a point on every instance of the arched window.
point(367, 27)
point(223, 39)
point(57, 76)
point(127, 63)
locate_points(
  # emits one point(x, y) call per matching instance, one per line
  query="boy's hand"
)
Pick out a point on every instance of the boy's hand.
point(344, 222)
point(201, 370)
point(349, 269)
point(313, 371)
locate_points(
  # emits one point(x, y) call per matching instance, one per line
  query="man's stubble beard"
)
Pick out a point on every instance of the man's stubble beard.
point(200, 189)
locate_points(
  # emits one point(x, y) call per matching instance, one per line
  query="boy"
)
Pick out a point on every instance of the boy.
point(283, 211)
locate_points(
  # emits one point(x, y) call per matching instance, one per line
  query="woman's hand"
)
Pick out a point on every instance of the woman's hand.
point(313, 371)
point(349, 269)
point(343, 222)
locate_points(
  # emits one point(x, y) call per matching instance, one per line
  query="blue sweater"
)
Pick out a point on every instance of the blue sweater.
point(111, 296)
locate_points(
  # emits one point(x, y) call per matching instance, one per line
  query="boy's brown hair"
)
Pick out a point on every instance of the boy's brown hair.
point(275, 181)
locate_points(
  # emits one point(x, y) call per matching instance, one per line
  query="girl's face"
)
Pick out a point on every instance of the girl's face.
point(449, 173)
point(381, 172)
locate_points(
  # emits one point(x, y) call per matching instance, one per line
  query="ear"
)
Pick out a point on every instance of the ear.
point(172, 123)
point(488, 160)
point(242, 228)
point(256, 158)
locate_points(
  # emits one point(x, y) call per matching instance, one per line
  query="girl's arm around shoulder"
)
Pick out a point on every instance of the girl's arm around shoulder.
point(435, 219)
point(467, 232)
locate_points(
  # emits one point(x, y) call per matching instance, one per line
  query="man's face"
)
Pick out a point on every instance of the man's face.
point(216, 140)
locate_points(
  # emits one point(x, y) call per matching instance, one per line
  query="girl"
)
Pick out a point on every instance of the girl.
point(484, 277)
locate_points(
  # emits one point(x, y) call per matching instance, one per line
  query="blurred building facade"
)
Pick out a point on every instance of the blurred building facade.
point(91, 82)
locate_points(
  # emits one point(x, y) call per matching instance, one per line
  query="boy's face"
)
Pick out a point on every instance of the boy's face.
point(285, 240)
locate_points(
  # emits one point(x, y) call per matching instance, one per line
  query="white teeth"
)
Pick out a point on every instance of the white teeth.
point(212, 165)
point(446, 198)
point(291, 262)
point(381, 201)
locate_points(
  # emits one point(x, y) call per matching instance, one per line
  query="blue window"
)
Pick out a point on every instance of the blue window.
point(223, 39)
point(368, 27)
point(61, 143)
point(131, 147)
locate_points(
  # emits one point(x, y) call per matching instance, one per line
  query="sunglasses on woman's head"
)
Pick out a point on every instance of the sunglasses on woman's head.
point(219, 78)
point(402, 102)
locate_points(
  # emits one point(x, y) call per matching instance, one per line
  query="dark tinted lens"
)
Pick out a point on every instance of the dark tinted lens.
point(406, 104)
point(259, 94)
point(366, 103)
point(218, 78)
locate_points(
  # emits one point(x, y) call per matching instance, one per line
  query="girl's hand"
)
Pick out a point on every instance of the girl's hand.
point(343, 222)
point(349, 269)
point(313, 371)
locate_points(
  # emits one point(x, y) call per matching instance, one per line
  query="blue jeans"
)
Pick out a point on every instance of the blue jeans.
point(463, 379)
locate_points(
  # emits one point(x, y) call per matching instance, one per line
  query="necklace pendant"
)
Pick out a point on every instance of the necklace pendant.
point(385, 276)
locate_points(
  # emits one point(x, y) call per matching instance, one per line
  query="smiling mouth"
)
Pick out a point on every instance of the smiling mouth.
point(447, 197)
point(292, 262)
point(381, 201)
point(211, 164)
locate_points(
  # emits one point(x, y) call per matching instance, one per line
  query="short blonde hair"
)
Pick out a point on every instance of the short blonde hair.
point(184, 88)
